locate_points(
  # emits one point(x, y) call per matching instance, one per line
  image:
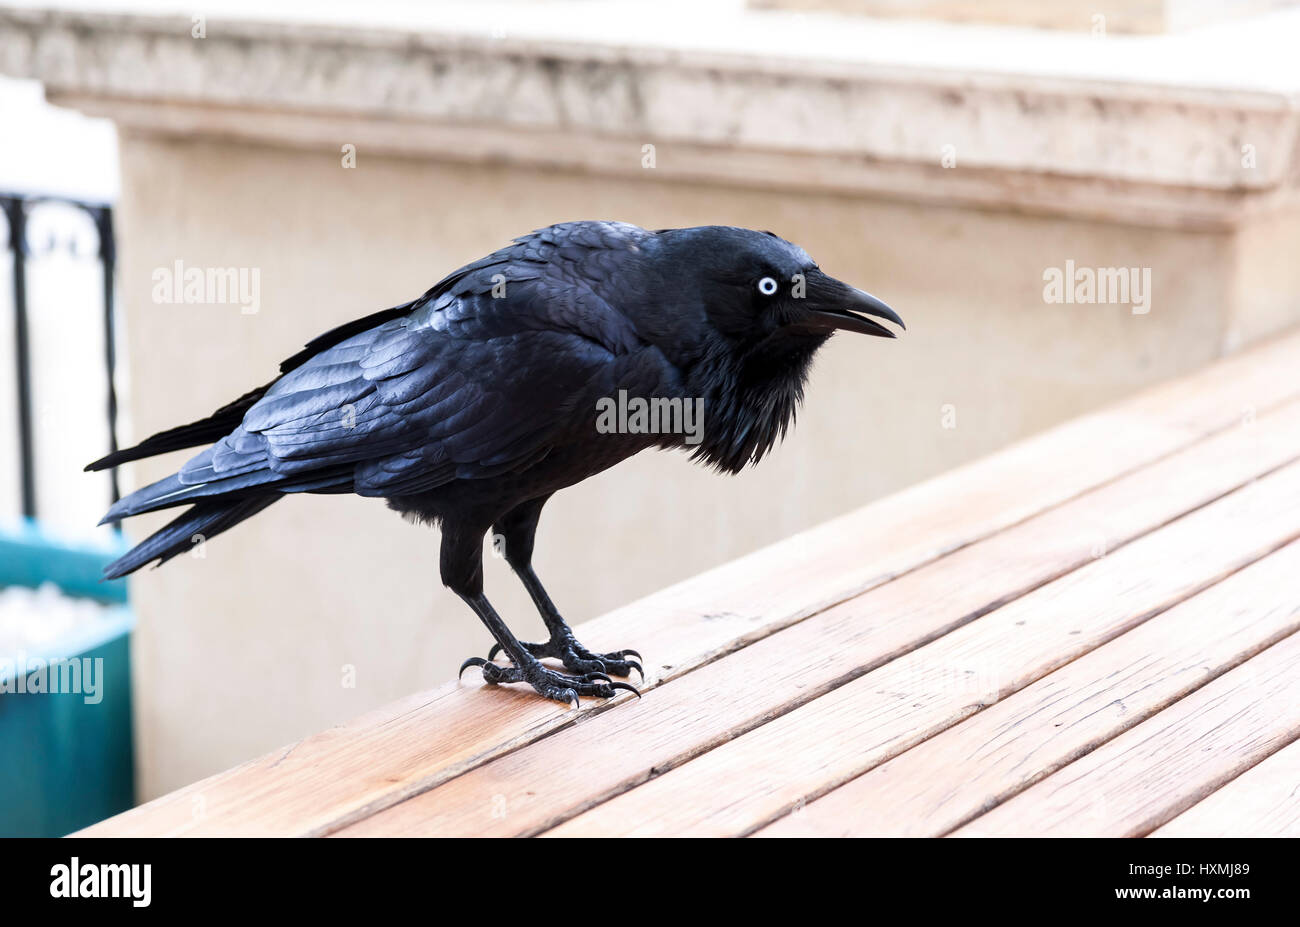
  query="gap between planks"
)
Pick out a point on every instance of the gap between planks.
point(1264, 801)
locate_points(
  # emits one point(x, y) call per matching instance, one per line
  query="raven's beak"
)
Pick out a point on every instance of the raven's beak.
point(832, 306)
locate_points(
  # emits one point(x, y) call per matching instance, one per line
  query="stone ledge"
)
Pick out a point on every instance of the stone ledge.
point(750, 107)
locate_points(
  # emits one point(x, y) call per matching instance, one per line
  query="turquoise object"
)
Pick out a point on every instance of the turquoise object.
point(65, 757)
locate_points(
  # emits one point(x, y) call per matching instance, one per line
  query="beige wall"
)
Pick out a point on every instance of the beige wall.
point(244, 650)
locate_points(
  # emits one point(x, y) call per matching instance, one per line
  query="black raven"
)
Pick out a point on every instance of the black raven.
point(472, 405)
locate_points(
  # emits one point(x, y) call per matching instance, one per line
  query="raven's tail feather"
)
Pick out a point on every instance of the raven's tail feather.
point(199, 523)
point(170, 492)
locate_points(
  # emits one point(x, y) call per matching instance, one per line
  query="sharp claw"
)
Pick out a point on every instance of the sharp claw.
point(597, 681)
point(624, 685)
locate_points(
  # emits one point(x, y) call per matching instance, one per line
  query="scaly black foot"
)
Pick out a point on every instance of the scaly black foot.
point(549, 683)
point(578, 659)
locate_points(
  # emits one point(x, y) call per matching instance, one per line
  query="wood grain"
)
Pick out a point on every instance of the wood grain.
point(952, 778)
point(803, 754)
point(1150, 774)
point(1264, 801)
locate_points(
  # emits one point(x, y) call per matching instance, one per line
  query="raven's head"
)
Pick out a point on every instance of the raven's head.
point(766, 309)
point(755, 287)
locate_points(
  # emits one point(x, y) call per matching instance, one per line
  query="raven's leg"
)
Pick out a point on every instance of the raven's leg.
point(462, 572)
point(517, 529)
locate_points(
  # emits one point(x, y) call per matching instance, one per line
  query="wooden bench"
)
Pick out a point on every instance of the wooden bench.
point(1090, 632)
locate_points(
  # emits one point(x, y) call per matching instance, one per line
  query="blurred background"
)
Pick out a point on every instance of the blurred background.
point(331, 160)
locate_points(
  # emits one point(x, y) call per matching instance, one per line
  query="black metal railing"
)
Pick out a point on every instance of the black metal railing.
point(16, 209)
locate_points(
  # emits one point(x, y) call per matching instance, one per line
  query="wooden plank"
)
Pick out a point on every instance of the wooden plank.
point(952, 778)
point(721, 701)
point(1264, 801)
point(1153, 772)
point(809, 751)
point(404, 749)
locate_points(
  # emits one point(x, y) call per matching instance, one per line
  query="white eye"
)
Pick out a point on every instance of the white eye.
point(767, 286)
